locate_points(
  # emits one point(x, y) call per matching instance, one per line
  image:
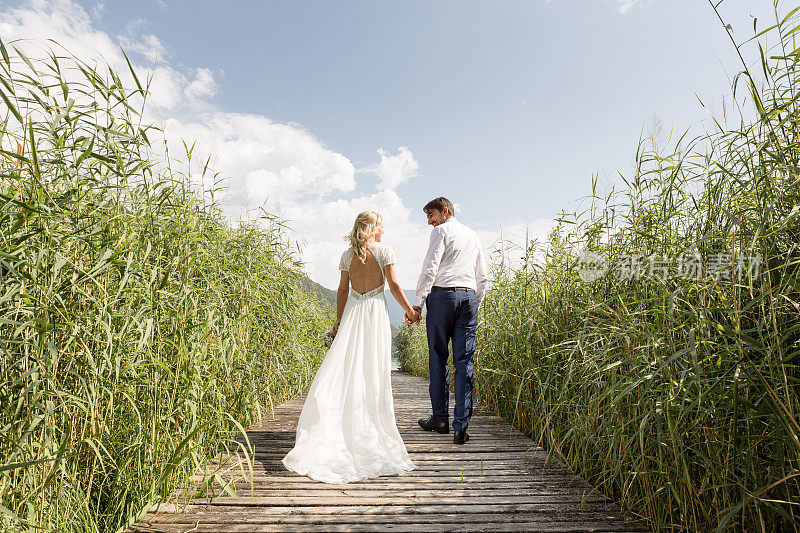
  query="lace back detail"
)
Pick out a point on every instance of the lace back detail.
point(369, 294)
point(383, 255)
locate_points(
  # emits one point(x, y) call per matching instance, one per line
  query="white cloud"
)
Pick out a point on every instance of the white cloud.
point(67, 28)
point(280, 166)
point(263, 159)
point(203, 85)
point(324, 225)
point(624, 6)
point(147, 45)
point(394, 169)
point(61, 20)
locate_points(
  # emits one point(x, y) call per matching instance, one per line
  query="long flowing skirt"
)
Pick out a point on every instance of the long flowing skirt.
point(347, 429)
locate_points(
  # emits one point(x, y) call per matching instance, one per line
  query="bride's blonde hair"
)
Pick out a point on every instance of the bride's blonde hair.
point(363, 232)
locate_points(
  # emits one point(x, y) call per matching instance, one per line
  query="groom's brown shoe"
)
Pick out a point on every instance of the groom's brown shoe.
point(432, 424)
point(460, 436)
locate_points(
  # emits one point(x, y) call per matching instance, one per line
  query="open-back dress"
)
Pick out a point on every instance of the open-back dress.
point(347, 429)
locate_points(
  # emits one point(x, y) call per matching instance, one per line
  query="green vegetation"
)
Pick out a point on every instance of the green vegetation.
point(139, 330)
point(678, 396)
point(412, 350)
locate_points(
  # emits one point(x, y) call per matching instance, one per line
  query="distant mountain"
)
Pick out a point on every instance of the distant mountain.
point(326, 295)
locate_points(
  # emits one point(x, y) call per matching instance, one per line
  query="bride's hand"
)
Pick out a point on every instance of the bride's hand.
point(335, 329)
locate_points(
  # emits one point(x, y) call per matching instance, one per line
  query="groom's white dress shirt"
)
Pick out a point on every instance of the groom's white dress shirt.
point(454, 259)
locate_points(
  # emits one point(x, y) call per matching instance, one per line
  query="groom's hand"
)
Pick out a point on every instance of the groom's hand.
point(418, 311)
point(414, 317)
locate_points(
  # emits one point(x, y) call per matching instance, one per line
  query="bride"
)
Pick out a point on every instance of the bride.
point(347, 429)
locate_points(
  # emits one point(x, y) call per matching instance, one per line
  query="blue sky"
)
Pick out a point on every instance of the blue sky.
point(506, 107)
point(524, 95)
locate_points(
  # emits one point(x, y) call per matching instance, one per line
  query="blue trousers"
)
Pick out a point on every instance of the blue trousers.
point(451, 315)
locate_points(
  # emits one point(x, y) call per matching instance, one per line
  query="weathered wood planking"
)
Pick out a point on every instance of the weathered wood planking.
point(499, 481)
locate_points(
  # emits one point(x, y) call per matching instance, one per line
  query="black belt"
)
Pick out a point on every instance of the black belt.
point(435, 288)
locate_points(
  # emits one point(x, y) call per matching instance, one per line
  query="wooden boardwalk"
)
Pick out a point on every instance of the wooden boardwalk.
point(498, 481)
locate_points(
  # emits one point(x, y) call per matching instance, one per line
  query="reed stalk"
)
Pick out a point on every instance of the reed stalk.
point(140, 331)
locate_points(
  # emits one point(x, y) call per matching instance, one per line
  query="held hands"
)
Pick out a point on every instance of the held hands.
point(414, 317)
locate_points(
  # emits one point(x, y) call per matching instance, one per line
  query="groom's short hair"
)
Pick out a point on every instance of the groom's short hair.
point(439, 203)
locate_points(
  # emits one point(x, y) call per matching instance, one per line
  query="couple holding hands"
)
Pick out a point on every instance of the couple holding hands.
point(347, 430)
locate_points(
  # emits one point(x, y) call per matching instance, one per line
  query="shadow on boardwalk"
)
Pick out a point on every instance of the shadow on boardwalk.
point(499, 481)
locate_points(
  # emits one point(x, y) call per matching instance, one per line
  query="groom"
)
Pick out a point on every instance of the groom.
point(451, 285)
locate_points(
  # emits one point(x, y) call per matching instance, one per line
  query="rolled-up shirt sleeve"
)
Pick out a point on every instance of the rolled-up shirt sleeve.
point(430, 267)
point(481, 275)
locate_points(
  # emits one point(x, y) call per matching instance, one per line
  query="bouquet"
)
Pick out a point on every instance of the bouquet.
point(327, 338)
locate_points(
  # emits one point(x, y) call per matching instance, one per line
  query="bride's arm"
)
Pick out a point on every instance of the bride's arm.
point(397, 291)
point(341, 298)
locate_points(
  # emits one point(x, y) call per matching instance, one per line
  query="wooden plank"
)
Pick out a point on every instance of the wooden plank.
point(401, 482)
point(445, 518)
point(531, 464)
point(499, 481)
point(413, 443)
point(447, 484)
point(247, 512)
point(296, 500)
point(421, 477)
point(456, 455)
point(531, 527)
point(455, 473)
point(392, 497)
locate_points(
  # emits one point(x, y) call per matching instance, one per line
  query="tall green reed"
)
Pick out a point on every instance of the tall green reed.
point(139, 329)
point(676, 394)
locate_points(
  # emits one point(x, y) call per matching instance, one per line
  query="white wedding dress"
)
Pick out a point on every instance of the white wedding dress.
point(347, 429)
